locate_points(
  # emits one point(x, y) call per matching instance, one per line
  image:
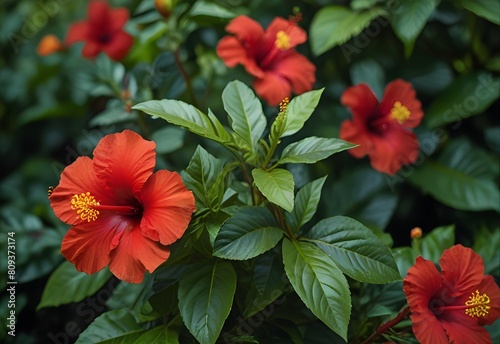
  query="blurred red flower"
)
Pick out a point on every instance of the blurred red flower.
point(452, 306)
point(269, 56)
point(381, 129)
point(103, 31)
point(122, 213)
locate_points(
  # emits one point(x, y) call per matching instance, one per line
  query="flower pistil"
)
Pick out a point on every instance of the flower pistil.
point(84, 204)
point(282, 41)
point(400, 112)
point(478, 305)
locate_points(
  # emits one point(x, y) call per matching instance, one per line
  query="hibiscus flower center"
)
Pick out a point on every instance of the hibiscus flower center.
point(400, 112)
point(282, 41)
point(84, 205)
point(478, 305)
point(88, 208)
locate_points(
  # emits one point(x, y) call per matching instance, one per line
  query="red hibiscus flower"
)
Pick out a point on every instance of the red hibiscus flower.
point(381, 129)
point(122, 213)
point(269, 56)
point(452, 306)
point(103, 31)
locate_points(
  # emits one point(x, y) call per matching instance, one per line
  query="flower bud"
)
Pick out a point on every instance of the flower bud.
point(49, 45)
point(165, 7)
point(416, 233)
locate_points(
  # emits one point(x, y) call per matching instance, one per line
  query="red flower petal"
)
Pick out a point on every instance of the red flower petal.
point(91, 49)
point(76, 178)
point(272, 88)
point(490, 288)
point(465, 333)
point(99, 16)
point(298, 70)
point(296, 34)
point(232, 52)
point(246, 29)
point(79, 31)
point(420, 284)
point(397, 147)
point(428, 329)
point(168, 206)
point(123, 162)
point(88, 245)
point(356, 132)
point(119, 18)
point(134, 255)
point(361, 101)
point(119, 45)
point(462, 269)
point(402, 91)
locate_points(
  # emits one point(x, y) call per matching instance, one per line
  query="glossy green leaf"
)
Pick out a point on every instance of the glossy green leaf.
point(319, 283)
point(335, 25)
point(157, 335)
point(461, 178)
point(184, 115)
point(204, 176)
point(439, 239)
point(410, 17)
point(306, 203)
point(466, 96)
point(248, 233)
point(277, 186)
point(312, 149)
point(487, 9)
point(109, 325)
point(355, 249)
point(66, 285)
point(245, 113)
point(168, 139)
point(300, 109)
point(206, 12)
point(366, 196)
point(205, 299)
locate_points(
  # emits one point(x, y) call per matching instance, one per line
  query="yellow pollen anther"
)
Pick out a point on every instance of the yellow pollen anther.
point(478, 305)
point(83, 204)
point(284, 104)
point(282, 41)
point(400, 112)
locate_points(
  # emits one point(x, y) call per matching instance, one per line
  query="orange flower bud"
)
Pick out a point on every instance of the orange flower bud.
point(49, 45)
point(416, 233)
point(165, 7)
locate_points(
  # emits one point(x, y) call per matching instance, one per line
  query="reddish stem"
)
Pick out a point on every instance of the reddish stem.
point(386, 326)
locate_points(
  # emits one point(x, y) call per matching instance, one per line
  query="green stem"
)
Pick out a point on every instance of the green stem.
point(386, 326)
point(270, 153)
point(186, 78)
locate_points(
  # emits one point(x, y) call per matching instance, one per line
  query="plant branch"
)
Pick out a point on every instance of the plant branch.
point(386, 326)
point(186, 78)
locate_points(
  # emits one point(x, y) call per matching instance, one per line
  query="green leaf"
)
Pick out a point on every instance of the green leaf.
point(306, 203)
point(439, 239)
point(319, 283)
point(109, 325)
point(466, 96)
point(184, 115)
point(355, 249)
point(312, 149)
point(245, 113)
point(366, 196)
point(205, 12)
point(205, 298)
point(168, 139)
point(66, 285)
point(248, 233)
point(461, 178)
point(335, 25)
point(300, 109)
point(277, 186)
point(410, 18)
point(204, 176)
point(487, 9)
point(157, 335)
